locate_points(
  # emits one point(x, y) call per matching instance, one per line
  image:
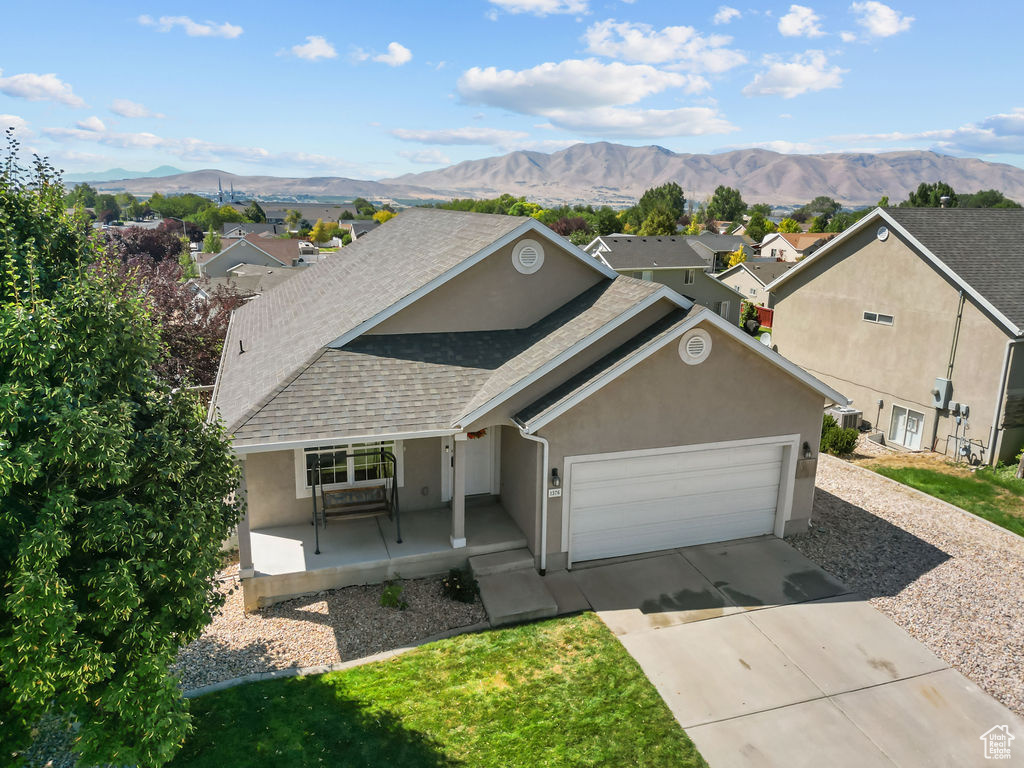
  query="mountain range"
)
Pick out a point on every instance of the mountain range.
point(115, 174)
point(614, 174)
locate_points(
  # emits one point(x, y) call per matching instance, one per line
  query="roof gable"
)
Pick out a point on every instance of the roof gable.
point(656, 252)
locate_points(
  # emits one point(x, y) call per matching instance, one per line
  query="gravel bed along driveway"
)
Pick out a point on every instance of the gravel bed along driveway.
point(325, 628)
point(953, 581)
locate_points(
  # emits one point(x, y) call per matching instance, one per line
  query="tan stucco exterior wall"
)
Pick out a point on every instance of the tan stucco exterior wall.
point(272, 493)
point(520, 492)
point(492, 295)
point(819, 325)
point(240, 253)
point(664, 402)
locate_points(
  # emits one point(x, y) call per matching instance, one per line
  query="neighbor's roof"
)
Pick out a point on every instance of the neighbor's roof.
point(284, 330)
point(762, 271)
point(398, 383)
point(663, 252)
point(982, 249)
point(803, 240)
point(251, 279)
point(715, 242)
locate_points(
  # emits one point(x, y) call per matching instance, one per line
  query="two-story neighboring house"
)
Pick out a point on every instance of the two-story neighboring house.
point(672, 261)
point(465, 383)
point(750, 278)
point(917, 314)
point(792, 246)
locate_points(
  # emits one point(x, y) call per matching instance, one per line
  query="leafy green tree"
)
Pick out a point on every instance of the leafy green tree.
point(790, 226)
point(668, 197)
point(346, 238)
point(319, 232)
point(606, 221)
point(179, 206)
point(364, 207)
point(292, 219)
point(255, 213)
point(759, 226)
point(748, 318)
point(113, 495)
point(726, 204)
point(659, 222)
point(762, 208)
point(930, 196)
point(819, 224)
point(107, 209)
point(987, 198)
point(346, 215)
point(211, 243)
point(82, 195)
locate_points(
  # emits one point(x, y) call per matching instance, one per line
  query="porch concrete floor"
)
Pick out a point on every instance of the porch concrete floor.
point(286, 549)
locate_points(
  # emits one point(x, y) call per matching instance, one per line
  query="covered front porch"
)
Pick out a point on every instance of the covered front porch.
point(365, 551)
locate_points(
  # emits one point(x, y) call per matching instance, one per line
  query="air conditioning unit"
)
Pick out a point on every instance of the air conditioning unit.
point(847, 418)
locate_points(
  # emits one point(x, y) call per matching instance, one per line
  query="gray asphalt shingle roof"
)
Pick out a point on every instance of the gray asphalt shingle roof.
point(984, 246)
point(412, 382)
point(763, 271)
point(283, 330)
point(646, 252)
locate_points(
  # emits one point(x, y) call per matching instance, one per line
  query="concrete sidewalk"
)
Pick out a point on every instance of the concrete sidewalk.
point(766, 660)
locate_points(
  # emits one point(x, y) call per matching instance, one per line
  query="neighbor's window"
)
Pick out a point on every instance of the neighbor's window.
point(688, 277)
point(647, 275)
point(878, 317)
point(753, 291)
point(349, 465)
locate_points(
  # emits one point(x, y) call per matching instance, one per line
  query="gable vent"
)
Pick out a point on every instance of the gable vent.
point(695, 347)
point(528, 256)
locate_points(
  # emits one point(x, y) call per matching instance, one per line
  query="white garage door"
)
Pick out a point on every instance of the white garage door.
point(626, 504)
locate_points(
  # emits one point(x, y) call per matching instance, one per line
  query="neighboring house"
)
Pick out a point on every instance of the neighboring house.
point(241, 229)
point(749, 278)
point(358, 227)
point(247, 280)
point(918, 315)
point(510, 391)
point(715, 249)
point(261, 250)
point(789, 246)
point(671, 261)
point(310, 212)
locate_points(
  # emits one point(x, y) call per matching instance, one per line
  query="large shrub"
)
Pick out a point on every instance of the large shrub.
point(834, 439)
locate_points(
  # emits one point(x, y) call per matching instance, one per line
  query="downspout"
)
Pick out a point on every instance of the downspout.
point(994, 432)
point(543, 497)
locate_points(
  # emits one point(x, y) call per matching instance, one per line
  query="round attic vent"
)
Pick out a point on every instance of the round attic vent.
point(882, 233)
point(695, 347)
point(528, 256)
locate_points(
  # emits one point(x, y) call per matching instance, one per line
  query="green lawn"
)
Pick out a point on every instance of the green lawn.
point(988, 494)
point(558, 693)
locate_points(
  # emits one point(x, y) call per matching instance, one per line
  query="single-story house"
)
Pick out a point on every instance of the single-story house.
point(918, 315)
point(358, 227)
point(671, 261)
point(749, 278)
point(261, 250)
point(247, 280)
point(243, 228)
point(792, 246)
point(479, 384)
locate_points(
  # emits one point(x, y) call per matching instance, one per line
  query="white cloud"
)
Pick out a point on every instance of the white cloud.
point(91, 124)
point(879, 19)
point(725, 15)
point(127, 108)
point(804, 72)
point(569, 84)
point(683, 47)
point(994, 135)
point(425, 156)
point(801, 21)
point(785, 116)
point(192, 28)
point(469, 135)
point(617, 122)
point(19, 124)
point(315, 47)
point(33, 87)
point(542, 7)
point(782, 146)
point(396, 56)
point(847, 37)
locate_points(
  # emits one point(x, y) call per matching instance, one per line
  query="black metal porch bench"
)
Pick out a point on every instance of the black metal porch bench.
point(357, 502)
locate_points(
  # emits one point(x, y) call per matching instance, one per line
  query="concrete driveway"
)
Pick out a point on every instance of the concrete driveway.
point(766, 660)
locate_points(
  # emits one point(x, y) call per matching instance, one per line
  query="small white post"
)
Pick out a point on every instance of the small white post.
point(458, 537)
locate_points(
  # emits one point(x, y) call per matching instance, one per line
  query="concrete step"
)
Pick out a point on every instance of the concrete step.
point(501, 562)
point(510, 597)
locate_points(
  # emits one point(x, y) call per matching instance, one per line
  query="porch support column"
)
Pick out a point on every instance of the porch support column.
point(458, 537)
point(245, 568)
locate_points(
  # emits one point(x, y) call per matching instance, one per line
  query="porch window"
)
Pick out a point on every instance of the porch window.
point(348, 465)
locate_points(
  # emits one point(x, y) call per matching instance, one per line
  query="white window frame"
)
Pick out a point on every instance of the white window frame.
point(688, 277)
point(917, 416)
point(877, 318)
point(647, 275)
point(723, 308)
point(303, 491)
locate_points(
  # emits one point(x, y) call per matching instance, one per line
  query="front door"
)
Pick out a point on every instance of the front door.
point(479, 463)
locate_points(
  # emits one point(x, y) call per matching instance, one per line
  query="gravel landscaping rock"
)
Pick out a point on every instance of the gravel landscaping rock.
point(326, 628)
point(953, 581)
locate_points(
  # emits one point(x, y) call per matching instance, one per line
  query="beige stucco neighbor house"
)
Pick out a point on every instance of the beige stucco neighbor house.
point(259, 250)
point(917, 314)
point(674, 261)
point(792, 246)
point(505, 390)
point(749, 279)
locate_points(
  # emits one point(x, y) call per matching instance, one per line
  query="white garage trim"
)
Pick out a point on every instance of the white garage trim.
point(784, 506)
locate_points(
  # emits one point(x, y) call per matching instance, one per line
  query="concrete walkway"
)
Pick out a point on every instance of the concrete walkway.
point(767, 660)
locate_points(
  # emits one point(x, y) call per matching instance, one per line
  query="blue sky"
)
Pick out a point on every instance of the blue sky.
point(373, 90)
